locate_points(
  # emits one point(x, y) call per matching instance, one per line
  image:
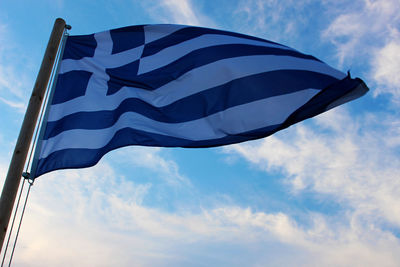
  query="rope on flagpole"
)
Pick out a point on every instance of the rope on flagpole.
point(30, 181)
point(12, 223)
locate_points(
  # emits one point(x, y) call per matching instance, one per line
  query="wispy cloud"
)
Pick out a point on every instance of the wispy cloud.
point(21, 107)
point(101, 220)
point(182, 12)
point(101, 217)
point(386, 66)
point(99, 210)
point(371, 33)
point(350, 161)
point(13, 83)
point(151, 159)
point(270, 19)
point(353, 31)
point(178, 12)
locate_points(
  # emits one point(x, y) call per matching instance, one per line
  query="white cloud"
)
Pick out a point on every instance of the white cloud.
point(386, 67)
point(151, 158)
point(352, 31)
point(98, 218)
point(182, 11)
point(345, 160)
point(178, 12)
point(21, 107)
point(13, 83)
point(270, 18)
point(369, 31)
point(348, 161)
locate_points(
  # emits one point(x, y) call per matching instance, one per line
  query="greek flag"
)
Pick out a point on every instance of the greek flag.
point(178, 86)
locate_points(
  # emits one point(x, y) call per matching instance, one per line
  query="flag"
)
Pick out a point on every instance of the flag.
point(178, 86)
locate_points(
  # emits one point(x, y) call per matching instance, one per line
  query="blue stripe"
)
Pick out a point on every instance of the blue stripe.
point(189, 33)
point(123, 76)
point(205, 103)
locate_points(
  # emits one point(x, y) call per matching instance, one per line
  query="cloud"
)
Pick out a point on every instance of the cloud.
point(352, 30)
point(21, 107)
point(181, 11)
point(101, 217)
point(151, 158)
point(351, 161)
point(98, 217)
point(368, 36)
point(270, 18)
point(385, 70)
point(178, 12)
point(13, 84)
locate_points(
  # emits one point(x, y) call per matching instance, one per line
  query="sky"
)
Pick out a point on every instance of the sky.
point(324, 192)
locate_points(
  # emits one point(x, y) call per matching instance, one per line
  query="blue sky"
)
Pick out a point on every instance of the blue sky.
point(325, 192)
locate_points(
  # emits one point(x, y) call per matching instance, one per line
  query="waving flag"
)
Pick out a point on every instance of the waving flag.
point(179, 86)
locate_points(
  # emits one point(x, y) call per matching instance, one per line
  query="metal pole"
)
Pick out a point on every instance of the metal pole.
point(14, 174)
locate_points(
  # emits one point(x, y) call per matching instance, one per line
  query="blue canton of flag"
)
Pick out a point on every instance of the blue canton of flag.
point(179, 86)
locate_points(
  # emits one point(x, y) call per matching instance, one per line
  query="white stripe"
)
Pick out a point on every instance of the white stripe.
point(235, 120)
point(194, 81)
point(172, 53)
point(155, 32)
point(104, 44)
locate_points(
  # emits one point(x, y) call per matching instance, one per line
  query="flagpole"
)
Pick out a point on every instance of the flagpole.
point(18, 159)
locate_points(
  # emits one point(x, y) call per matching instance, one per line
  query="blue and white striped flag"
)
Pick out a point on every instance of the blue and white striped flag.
point(179, 86)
